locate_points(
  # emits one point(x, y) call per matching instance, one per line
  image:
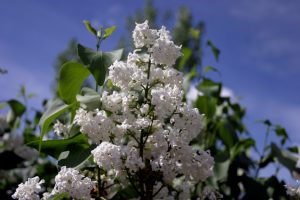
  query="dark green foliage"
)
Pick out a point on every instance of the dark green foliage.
point(98, 62)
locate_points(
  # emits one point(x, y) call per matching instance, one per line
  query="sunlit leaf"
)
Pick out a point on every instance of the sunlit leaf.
point(109, 31)
point(89, 27)
point(71, 77)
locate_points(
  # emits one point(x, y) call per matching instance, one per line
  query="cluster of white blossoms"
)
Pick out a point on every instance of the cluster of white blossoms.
point(143, 128)
point(61, 129)
point(29, 190)
point(145, 125)
point(68, 181)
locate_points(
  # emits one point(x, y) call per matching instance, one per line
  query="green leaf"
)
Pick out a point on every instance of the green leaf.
point(89, 27)
point(206, 105)
point(214, 49)
point(126, 193)
point(89, 99)
point(109, 31)
point(55, 147)
point(55, 109)
point(227, 133)
point(17, 110)
point(60, 196)
point(195, 33)
point(283, 157)
point(98, 61)
point(222, 156)
point(281, 132)
point(242, 146)
point(71, 77)
point(75, 155)
point(211, 68)
point(210, 87)
point(69, 152)
point(17, 107)
point(187, 52)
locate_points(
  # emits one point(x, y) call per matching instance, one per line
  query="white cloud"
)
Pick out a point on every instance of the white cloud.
point(227, 92)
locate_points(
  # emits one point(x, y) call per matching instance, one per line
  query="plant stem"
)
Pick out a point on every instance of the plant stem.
point(148, 76)
point(264, 151)
point(99, 182)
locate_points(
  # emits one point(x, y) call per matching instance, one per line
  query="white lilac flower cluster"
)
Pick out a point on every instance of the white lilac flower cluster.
point(68, 181)
point(145, 125)
point(29, 190)
point(61, 129)
point(293, 190)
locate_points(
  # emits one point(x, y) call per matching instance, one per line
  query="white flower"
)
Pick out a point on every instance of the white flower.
point(95, 124)
point(125, 75)
point(189, 121)
point(210, 193)
point(60, 129)
point(143, 36)
point(108, 156)
point(165, 52)
point(112, 102)
point(29, 190)
point(164, 33)
point(133, 161)
point(166, 100)
point(69, 181)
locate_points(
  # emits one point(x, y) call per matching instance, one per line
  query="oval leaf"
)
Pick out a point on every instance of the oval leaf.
point(56, 108)
point(71, 77)
point(109, 31)
point(89, 27)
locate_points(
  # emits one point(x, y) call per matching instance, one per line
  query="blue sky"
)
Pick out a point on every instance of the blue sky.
point(259, 43)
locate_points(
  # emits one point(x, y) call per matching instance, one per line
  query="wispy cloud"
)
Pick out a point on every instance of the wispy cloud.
point(267, 9)
point(274, 34)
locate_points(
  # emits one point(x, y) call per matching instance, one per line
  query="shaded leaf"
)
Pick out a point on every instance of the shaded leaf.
point(17, 110)
point(98, 61)
point(9, 160)
point(55, 109)
point(75, 155)
point(281, 132)
point(214, 49)
point(283, 157)
point(55, 147)
point(211, 68)
point(186, 56)
point(89, 99)
point(206, 105)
